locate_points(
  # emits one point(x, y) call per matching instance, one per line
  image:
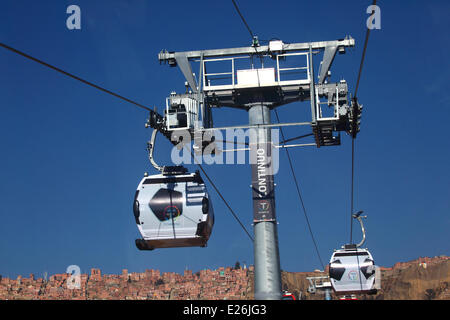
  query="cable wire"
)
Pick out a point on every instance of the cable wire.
point(363, 56)
point(243, 19)
point(74, 77)
point(220, 195)
point(300, 196)
point(352, 191)
point(353, 138)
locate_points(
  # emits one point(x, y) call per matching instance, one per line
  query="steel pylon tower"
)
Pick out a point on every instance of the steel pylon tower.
point(266, 254)
point(258, 90)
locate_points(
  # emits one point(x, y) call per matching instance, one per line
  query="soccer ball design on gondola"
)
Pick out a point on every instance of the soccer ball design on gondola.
point(173, 210)
point(352, 270)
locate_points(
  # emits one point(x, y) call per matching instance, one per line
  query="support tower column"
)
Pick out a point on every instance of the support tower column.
point(266, 254)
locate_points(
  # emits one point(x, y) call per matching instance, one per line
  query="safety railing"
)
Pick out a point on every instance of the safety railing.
point(230, 79)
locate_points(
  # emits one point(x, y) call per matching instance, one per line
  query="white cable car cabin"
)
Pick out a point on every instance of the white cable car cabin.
point(173, 210)
point(352, 270)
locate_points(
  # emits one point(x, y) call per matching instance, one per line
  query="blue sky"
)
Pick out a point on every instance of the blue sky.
point(72, 156)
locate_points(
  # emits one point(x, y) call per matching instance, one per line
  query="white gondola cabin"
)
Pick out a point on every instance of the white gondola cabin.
point(173, 210)
point(352, 270)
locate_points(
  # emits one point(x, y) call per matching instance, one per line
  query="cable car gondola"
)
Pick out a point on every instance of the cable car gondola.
point(352, 269)
point(172, 209)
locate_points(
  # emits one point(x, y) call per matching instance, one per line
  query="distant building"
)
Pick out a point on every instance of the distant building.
point(96, 274)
